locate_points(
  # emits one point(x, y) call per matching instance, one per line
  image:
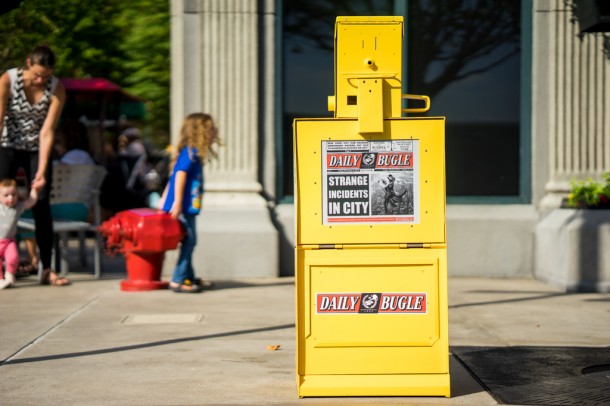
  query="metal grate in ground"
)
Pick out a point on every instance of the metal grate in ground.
point(541, 375)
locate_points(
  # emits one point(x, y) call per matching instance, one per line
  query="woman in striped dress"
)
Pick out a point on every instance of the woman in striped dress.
point(31, 100)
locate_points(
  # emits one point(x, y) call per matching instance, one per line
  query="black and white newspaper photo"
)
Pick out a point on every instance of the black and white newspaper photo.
point(370, 182)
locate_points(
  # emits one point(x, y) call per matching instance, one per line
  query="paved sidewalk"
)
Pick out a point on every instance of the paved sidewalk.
point(92, 344)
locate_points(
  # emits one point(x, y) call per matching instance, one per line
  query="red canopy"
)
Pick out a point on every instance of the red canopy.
point(96, 85)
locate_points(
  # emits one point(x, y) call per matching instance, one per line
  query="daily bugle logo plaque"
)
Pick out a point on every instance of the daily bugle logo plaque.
point(371, 303)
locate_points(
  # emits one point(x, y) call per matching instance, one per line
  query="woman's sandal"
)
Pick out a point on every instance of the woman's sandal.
point(50, 277)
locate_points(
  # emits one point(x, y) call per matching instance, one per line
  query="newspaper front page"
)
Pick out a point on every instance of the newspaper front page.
point(370, 182)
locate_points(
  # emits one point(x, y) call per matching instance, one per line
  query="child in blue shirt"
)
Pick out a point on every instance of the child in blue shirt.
point(183, 193)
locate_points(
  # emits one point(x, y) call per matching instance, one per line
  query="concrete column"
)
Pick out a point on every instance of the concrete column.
point(177, 66)
point(268, 84)
point(216, 68)
point(571, 90)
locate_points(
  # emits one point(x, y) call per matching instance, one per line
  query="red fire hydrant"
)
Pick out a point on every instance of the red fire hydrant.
point(143, 236)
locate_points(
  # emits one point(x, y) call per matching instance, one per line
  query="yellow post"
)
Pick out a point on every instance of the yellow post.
point(371, 257)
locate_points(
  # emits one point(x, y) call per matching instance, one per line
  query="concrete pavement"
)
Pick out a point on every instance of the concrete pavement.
point(90, 343)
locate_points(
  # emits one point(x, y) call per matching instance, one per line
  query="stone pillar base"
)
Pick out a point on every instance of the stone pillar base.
point(571, 250)
point(555, 192)
point(492, 241)
point(236, 239)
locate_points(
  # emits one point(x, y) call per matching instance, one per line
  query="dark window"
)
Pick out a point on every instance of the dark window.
point(308, 64)
point(463, 54)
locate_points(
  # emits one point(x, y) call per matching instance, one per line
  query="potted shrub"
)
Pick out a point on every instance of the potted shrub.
point(589, 194)
point(571, 249)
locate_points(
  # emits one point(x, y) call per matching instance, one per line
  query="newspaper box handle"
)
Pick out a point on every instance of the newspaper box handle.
point(426, 100)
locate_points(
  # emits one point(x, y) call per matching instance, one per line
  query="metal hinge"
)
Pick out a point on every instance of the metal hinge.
point(322, 246)
point(417, 245)
point(370, 246)
point(330, 246)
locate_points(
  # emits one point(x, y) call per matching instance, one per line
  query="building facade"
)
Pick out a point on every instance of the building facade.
point(526, 98)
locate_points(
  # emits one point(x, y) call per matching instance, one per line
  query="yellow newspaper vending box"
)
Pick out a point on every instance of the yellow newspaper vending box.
point(371, 267)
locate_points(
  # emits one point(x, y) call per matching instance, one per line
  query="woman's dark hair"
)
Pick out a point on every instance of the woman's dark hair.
point(43, 55)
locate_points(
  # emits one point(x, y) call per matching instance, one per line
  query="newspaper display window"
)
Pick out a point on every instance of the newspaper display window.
point(370, 182)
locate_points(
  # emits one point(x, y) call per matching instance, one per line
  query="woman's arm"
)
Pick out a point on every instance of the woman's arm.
point(5, 91)
point(47, 133)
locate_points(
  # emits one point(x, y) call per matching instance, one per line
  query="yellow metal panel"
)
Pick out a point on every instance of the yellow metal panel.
point(400, 346)
point(412, 286)
point(312, 203)
point(368, 47)
point(375, 385)
point(370, 110)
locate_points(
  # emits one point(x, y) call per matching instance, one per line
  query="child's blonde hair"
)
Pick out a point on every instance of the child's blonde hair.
point(8, 182)
point(199, 131)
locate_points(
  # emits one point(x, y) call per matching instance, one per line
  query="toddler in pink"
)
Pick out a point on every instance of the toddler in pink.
point(11, 208)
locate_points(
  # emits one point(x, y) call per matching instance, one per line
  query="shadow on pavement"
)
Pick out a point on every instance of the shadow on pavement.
point(144, 345)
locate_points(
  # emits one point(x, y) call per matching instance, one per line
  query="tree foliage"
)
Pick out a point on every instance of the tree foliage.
point(147, 50)
point(126, 42)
